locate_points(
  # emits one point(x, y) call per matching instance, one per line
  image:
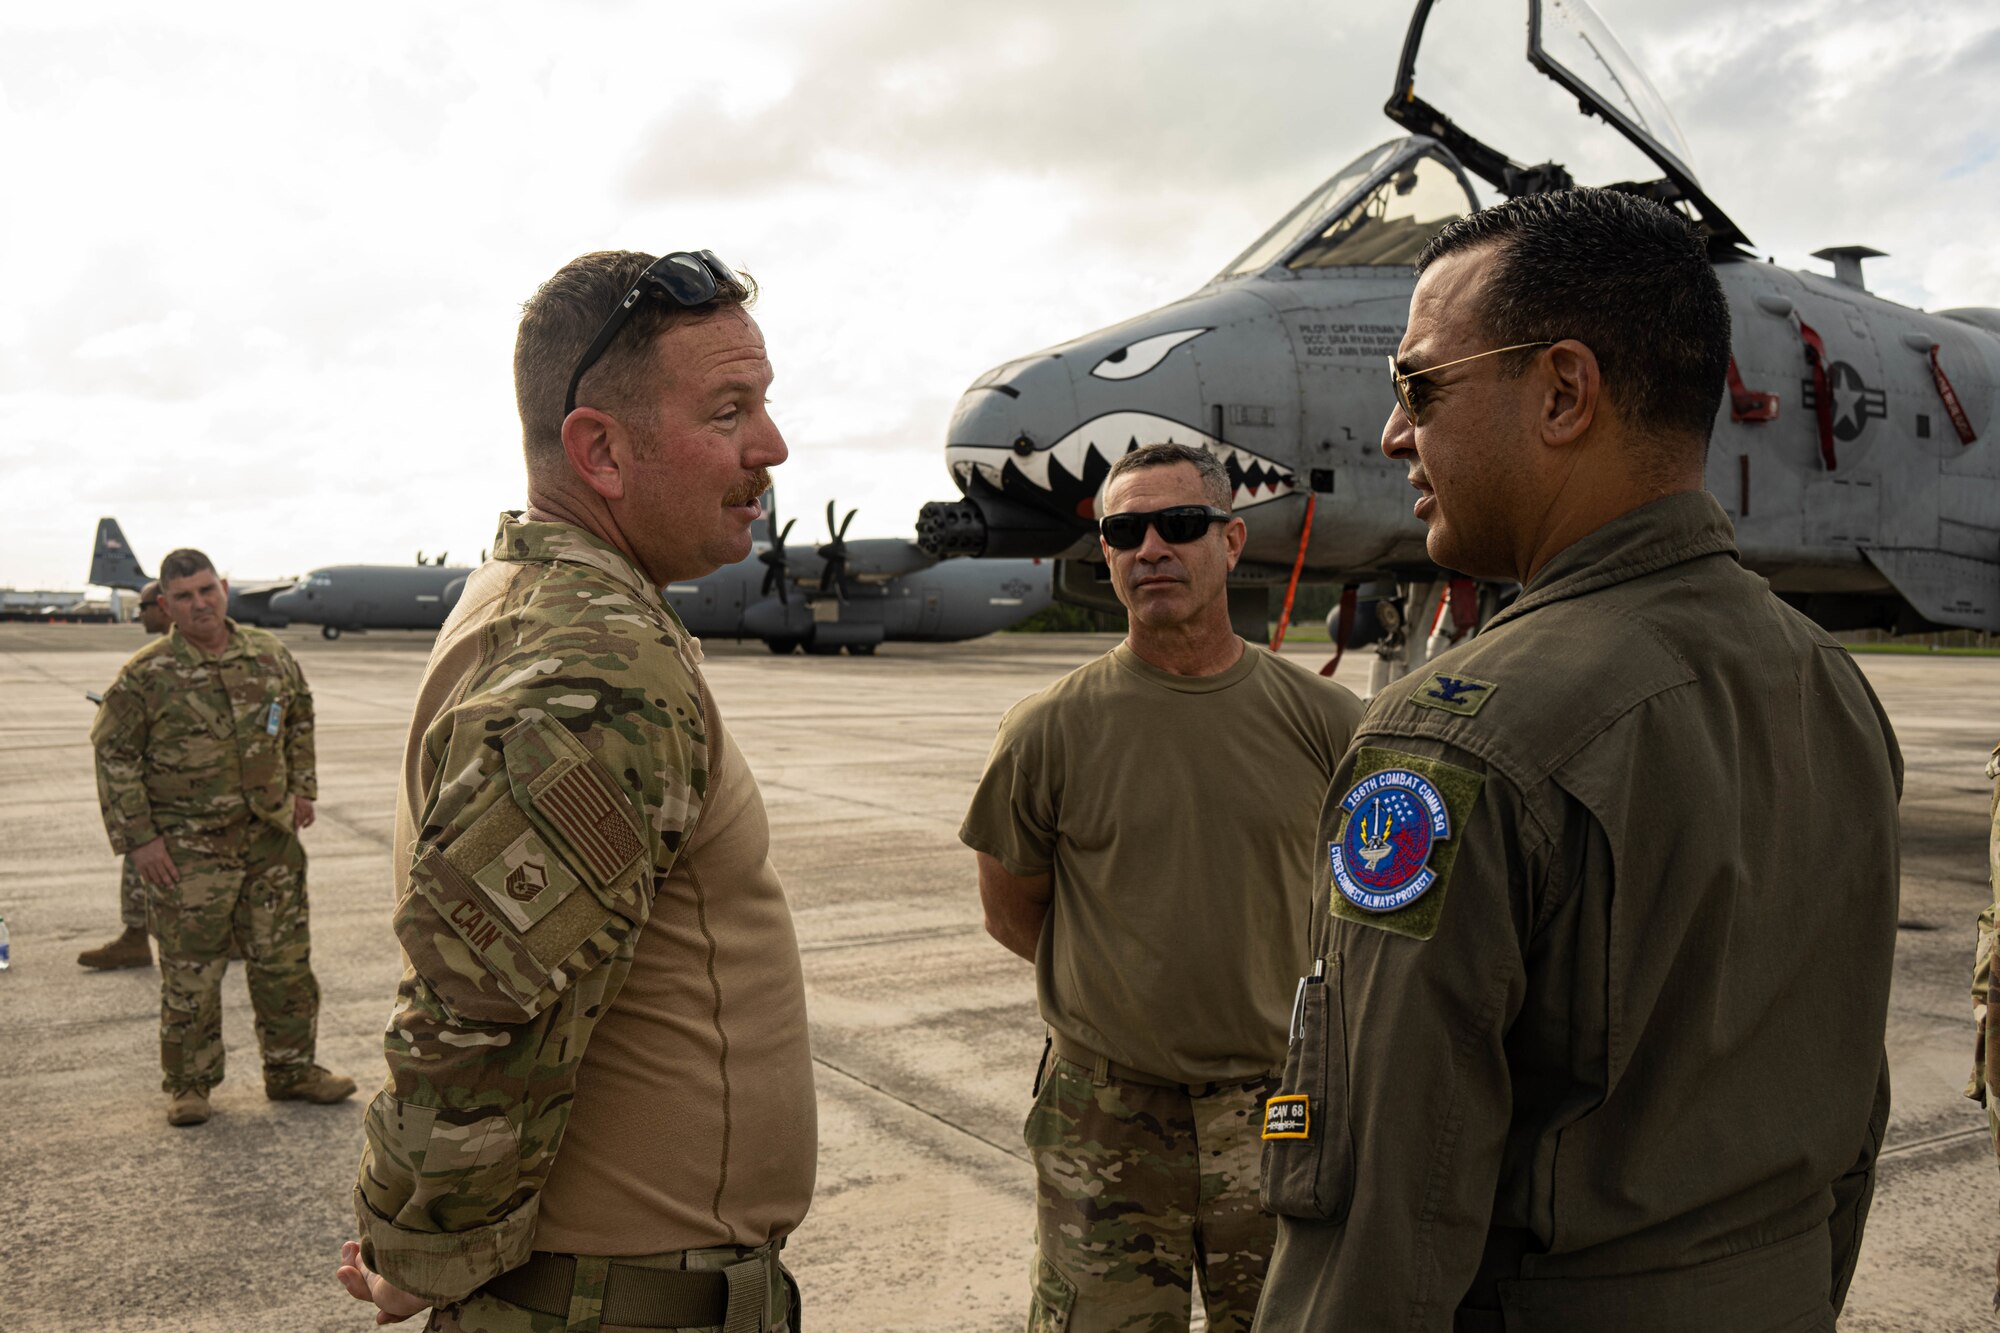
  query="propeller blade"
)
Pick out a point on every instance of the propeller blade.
point(842, 534)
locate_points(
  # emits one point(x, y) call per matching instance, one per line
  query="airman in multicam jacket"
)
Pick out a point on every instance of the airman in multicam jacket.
point(560, 772)
point(195, 747)
point(1985, 1055)
point(600, 1099)
point(210, 753)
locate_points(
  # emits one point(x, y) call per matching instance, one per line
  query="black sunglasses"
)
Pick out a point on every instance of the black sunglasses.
point(688, 278)
point(1177, 525)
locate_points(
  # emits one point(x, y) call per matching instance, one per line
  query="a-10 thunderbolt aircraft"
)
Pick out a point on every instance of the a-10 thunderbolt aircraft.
point(855, 594)
point(1857, 449)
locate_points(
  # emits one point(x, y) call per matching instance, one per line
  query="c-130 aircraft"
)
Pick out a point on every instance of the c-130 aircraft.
point(855, 595)
point(1856, 449)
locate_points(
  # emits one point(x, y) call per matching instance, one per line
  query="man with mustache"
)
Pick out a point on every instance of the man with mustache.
point(1594, 1035)
point(600, 1102)
point(1142, 839)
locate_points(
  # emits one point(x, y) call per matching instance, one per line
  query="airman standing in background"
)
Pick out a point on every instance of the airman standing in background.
point(131, 948)
point(205, 773)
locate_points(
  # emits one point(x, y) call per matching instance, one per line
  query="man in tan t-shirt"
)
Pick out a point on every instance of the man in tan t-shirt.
point(1143, 832)
point(600, 1104)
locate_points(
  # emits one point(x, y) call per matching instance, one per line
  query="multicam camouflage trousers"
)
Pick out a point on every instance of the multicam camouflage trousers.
point(256, 890)
point(131, 897)
point(594, 1277)
point(1138, 1187)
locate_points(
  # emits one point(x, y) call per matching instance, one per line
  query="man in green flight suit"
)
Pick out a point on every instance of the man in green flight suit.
point(205, 774)
point(1608, 896)
point(600, 1104)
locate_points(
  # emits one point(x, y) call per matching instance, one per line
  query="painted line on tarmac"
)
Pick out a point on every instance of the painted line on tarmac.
point(1932, 1141)
point(895, 937)
point(1017, 1154)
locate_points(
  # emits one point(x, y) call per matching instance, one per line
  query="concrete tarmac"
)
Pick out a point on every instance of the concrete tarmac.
point(924, 1031)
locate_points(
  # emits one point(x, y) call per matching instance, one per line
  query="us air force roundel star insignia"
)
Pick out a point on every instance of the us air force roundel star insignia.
point(1398, 840)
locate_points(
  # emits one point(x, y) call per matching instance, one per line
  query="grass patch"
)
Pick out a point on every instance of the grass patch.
point(1920, 650)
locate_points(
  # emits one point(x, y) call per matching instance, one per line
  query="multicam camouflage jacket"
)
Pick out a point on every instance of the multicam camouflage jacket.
point(193, 746)
point(1985, 1053)
point(558, 763)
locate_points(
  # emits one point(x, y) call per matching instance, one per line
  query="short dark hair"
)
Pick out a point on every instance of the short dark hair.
point(1628, 278)
point(557, 324)
point(1214, 477)
point(183, 563)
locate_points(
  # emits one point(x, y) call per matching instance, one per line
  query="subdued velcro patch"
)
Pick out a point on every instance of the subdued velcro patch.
point(1402, 825)
point(494, 922)
point(1288, 1117)
point(491, 976)
point(574, 799)
point(1453, 694)
point(526, 880)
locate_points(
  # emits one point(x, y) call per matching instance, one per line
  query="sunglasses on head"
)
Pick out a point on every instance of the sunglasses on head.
point(688, 278)
point(1177, 525)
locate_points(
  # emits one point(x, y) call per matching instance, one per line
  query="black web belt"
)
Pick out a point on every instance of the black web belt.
point(733, 1298)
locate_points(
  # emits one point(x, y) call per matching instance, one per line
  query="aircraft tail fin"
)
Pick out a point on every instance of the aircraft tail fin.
point(112, 564)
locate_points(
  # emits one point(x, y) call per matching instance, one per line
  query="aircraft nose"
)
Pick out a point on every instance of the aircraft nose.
point(1011, 411)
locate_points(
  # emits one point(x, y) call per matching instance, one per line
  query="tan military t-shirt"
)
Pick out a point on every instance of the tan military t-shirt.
point(1177, 815)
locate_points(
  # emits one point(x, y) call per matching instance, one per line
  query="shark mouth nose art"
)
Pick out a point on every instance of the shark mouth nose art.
point(1066, 476)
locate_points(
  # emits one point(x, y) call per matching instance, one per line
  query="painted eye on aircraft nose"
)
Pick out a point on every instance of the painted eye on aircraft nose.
point(1128, 363)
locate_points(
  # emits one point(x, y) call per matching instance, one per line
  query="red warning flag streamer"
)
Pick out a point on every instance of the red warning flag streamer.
point(1959, 421)
point(1298, 566)
point(1822, 392)
point(1747, 404)
point(1349, 598)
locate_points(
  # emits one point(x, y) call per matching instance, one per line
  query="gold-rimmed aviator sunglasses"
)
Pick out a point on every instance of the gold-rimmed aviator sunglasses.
point(1401, 381)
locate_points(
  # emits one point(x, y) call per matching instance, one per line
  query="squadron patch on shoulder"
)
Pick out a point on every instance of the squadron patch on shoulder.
point(1398, 840)
point(1450, 693)
point(1381, 860)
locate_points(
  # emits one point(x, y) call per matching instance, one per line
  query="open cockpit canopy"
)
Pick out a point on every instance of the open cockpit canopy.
point(1382, 207)
point(1569, 44)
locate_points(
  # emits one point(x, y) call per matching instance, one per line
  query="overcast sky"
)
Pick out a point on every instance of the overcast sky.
point(260, 265)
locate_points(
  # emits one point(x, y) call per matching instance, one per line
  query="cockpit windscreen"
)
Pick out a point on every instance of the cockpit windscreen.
point(1577, 39)
point(1294, 225)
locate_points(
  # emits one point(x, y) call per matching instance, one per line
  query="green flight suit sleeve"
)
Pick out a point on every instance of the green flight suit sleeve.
point(118, 737)
point(301, 771)
point(1418, 1093)
point(492, 1017)
point(1854, 1195)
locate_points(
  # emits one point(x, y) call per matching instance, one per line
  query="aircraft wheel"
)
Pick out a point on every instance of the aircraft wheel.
point(861, 649)
point(329, 631)
point(782, 647)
